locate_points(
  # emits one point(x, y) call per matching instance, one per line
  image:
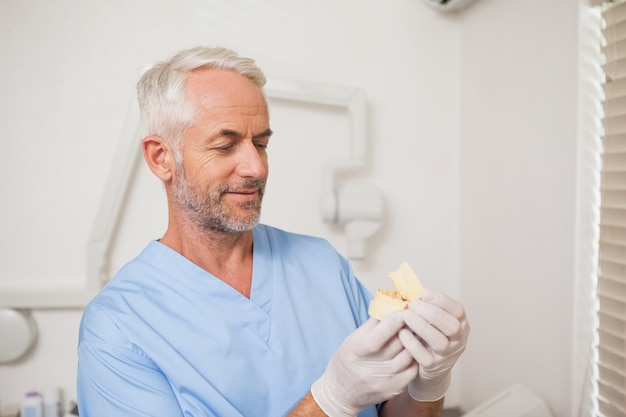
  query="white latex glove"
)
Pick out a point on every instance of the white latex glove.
point(436, 335)
point(370, 366)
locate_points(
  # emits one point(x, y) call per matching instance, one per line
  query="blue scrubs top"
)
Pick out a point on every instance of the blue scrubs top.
point(166, 338)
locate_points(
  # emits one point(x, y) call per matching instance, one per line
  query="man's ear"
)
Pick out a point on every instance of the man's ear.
point(159, 157)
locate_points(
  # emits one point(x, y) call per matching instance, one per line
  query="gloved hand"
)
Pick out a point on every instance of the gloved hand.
point(370, 366)
point(436, 335)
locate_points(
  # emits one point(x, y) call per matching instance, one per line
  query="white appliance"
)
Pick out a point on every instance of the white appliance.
point(449, 5)
point(515, 401)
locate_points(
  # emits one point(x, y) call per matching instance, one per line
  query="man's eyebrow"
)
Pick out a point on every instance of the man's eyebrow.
point(235, 134)
point(264, 134)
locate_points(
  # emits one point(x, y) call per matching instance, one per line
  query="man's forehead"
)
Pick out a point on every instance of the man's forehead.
point(219, 82)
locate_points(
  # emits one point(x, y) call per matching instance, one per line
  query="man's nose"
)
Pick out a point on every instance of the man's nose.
point(252, 161)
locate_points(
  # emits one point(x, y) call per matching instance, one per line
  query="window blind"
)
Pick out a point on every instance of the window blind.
point(610, 372)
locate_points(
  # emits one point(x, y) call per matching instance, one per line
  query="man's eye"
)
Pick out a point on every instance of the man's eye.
point(225, 148)
point(261, 146)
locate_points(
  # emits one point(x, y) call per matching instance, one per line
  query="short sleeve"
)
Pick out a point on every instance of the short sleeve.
point(115, 379)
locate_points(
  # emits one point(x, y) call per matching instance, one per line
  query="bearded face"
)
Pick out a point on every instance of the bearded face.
point(221, 164)
point(212, 210)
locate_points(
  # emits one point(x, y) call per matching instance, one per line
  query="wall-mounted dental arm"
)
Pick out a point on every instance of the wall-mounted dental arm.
point(359, 208)
point(125, 161)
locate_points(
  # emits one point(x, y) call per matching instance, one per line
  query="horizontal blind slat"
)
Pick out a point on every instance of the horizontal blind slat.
point(614, 235)
point(611, 271)
point(611, 329)
point(613, 161)
point(609, 283)
point(615, 106)
point(613, 180)
point(615, 283)
point(614, 121)
point(614, 143)
point(614, 304)
point(613, 15)
point(613, 326)
point(611, 253)
point(614, 124)
point(615, 33)
point(613, 52)
point(614, 87)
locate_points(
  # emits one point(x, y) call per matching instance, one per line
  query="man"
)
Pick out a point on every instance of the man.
point(225, 317)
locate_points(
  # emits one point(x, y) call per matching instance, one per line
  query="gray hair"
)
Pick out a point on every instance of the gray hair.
point(165, 110)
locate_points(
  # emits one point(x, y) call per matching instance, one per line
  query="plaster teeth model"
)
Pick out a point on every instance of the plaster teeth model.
point(408, 288)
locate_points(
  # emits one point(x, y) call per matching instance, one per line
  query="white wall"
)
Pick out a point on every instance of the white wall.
point(472, 140)
point(517, 196)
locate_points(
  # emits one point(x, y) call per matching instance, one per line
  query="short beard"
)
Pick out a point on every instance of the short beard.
point(206, 211)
